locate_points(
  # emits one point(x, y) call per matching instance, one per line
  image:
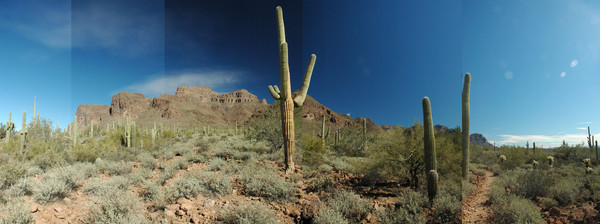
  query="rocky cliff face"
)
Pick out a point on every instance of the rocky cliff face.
point(189, 106)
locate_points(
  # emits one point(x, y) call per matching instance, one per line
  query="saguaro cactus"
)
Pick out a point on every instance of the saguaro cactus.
point(23, 132)
point(364, 133)
point(466, 122)
point(154, 130)
point(285, 96)
point(534, 148)
point(590, 139)
point(9, 127)
point(92, 129)
point(323, 135)
point(429, 144)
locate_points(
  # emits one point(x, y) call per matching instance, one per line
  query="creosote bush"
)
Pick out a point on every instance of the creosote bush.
point(252, 212)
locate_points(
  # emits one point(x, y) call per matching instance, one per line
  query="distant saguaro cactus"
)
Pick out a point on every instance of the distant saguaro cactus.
point(534, 148)
point(10, 126)
point(323, 135)
point(154, 130)
point(429, 145)
point(466, 122)
point(285, 96)
point(23, 133)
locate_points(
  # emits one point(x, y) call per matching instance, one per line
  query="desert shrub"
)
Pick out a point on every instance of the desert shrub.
point(265, 183)
point(192, 157)
point(85, 170)
point(329, 216)
point(312, 152)
point(350, 204)
point(117, 207)
point(147, 160)
point(249, 213)
point(321, 183)
point(534, 183)
point(152, 192)
point(56, 184)
point(34, 170)
point(192, 183)
point(324, 168)
point(171, 169)
point(114, 168)
point(16, 212)
point(467, 188)
point(100, 187)
point(548, 202)
point(139, 175)
point(565, 191)
point(216, 164)
point(85, 153)
point(341, 164)
point(448, 208)
point(23, 187)
point(515, 209)
point(11, 172)
point(52, 157)
point(408, 210)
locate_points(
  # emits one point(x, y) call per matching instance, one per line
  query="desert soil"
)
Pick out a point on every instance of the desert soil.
point(476, 207)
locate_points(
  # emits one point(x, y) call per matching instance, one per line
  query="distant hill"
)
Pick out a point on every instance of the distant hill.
point(200, 106)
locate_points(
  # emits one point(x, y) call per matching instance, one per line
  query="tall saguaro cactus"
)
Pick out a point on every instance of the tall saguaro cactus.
point(285, 95)
point(324, 135)
point(429, 143)
point(9, 127)
point(364, 133)
point(75, 133)
point(466, 123)
point(23, 132)
point(590, 139)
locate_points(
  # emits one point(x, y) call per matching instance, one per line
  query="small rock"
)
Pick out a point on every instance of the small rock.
point(187, 207)
point(58, 209)
point(180, 213)
point(173, 207)
point(60, 215)
point(34, 208)
point(182, 201)
point(170, 214)
point(67, 200)
point(47, 216)
point(209, 203)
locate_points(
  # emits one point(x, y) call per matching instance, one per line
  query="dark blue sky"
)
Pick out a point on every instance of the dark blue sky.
point(535, 69)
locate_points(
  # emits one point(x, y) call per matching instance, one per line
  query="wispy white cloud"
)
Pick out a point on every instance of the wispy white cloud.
point(546, 140)
point(158, 84)
point(563, 74)
point(574, 63)
point(581, 128)
point(508, 75)
point(45, 22)
point(118, 27)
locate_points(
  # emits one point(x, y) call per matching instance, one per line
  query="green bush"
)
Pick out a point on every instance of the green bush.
point(23, 187)
point(192, 183)
point(117, 207)
point(350, 204)
point(17, 212)
point(321, 183)
point(147, 160)
point(11, 172)
point(251, 213)
point(152, 192)
point(139, 175)
point(565, 191)
point(114, 168)
point(329, 216)
point(408, 210)
point(265, 183)
point(515, 209)
point(101, 187)
point(57, 183)
point(216, 164)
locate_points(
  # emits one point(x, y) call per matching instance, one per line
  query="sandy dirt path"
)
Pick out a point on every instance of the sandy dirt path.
point(476, 208)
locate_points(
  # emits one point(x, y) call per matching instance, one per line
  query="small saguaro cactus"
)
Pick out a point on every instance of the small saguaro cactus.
point(429, 145)
point(128, 133)
point(154, 130)
point(535, 164)
point(285, 95)
point(91, 129)
point(551, 161)
point(534, 148)
point(596, 150)
point(10, 126)
point(527, 148)
point(587, 162)
point(23, 132)
point(324, 135)
point(589, 170)
point(466, 122)
point(590, 139)
point(502, 158)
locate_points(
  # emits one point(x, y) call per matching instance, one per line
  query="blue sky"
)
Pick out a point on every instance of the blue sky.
point(534, 69)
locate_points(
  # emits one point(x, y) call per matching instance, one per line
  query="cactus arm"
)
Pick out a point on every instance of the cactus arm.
point(274, 93)
point(299, 100)
point(465, 125)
